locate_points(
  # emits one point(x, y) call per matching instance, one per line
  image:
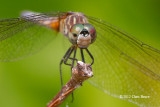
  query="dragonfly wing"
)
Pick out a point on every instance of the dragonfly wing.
point(125, 67)
point(20, 37)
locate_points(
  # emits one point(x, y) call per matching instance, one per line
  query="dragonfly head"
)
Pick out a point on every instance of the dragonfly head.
point(82, 35)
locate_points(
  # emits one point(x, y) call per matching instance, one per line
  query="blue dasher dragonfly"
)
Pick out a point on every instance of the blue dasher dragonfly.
point(123, 66)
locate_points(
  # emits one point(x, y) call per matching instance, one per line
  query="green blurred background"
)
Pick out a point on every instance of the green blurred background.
point(34, 81)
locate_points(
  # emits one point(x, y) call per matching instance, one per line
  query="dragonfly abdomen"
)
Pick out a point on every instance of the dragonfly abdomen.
point(42, 19)
point(59, 23)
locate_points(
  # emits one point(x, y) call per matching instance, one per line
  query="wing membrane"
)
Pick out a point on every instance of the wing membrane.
point(124, 65)
point(20, 37)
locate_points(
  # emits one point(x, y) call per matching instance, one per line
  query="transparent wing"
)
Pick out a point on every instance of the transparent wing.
point(125, 67)
point(20, 37)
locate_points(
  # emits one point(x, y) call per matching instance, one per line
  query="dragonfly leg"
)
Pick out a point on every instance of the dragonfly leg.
point(90, 56)
point(65, 59)
point(82, 55)
point(68, 57)
point(73, 59)
point(62, 60)
point(72, 64)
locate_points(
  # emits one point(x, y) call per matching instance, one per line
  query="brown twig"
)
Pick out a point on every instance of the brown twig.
point(80, 73)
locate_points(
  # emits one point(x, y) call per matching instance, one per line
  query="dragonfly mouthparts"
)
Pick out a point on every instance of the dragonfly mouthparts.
point(84, 32)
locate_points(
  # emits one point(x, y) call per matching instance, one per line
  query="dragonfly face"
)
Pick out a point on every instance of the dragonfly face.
point(82, 35)
point(76, 27)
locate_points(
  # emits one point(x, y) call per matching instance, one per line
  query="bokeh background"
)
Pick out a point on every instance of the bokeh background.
point(34, 81)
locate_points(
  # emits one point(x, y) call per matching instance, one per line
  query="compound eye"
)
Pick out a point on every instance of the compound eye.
point(77, 28)
point(92, 31)
point(74, 32)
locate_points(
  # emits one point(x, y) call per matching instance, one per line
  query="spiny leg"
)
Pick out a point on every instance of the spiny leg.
point(62, 60)
point(74, 56)
point(68, 57)
point(90, 56)
point(82, 55)
point(72, 64)
point(65, 59)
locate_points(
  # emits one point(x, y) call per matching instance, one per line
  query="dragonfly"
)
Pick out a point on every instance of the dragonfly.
point(124, 67)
